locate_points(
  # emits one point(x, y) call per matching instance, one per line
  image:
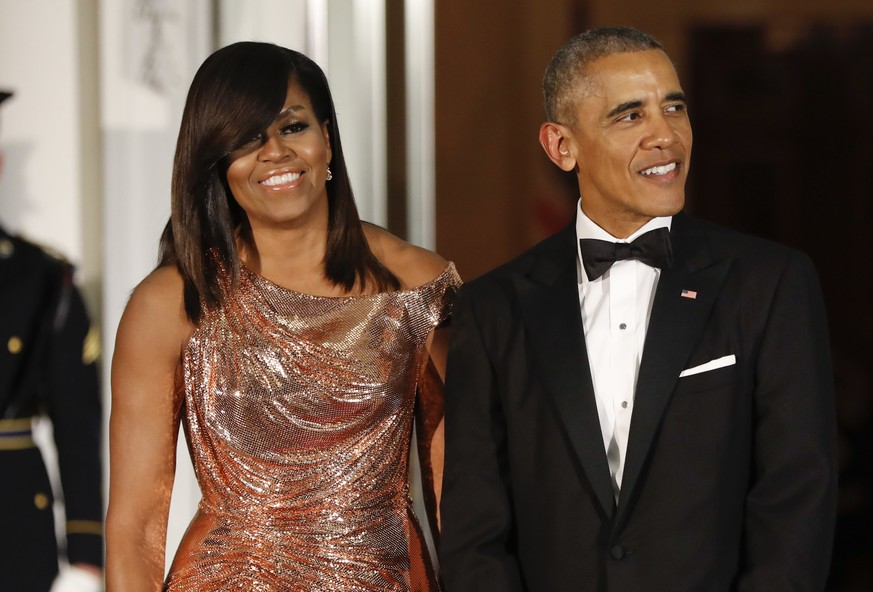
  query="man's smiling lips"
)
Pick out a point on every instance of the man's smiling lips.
point(280, 179)
point(660, 170)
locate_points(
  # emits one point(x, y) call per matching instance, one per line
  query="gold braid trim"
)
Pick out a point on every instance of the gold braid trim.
point(85, 527)
point(14, 425)
point(22, 438)
point(20, 443)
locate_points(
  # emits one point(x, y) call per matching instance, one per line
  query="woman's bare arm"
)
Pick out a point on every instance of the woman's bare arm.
point(143, 429)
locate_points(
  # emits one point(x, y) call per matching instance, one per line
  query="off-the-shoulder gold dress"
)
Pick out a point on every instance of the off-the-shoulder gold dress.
point(298, 411)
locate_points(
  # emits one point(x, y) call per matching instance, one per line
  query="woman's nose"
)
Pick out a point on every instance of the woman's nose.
point(274, 149)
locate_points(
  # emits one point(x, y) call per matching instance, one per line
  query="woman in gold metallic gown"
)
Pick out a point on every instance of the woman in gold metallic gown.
point(289, 340)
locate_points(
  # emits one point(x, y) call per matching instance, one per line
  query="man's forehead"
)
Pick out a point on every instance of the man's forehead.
point(629, 76)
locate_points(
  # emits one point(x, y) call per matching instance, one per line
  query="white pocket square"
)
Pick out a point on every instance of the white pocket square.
point(710, 365)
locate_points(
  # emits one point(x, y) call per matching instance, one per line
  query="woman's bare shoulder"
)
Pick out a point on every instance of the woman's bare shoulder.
point(413, 266)
point(156, 307)
point(162, 288)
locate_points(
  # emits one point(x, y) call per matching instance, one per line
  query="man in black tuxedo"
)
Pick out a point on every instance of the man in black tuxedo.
point(643, 401)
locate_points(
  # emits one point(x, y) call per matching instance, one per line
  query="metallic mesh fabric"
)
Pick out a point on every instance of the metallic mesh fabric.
point(298, 415)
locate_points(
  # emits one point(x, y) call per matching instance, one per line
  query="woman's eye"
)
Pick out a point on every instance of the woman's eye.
point(293, 128)
point(252, 142)
point(255, 140)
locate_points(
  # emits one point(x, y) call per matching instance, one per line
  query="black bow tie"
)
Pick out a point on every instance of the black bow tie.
point(652, 248)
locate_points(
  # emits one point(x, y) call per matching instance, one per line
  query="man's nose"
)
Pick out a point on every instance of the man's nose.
point(662, 134)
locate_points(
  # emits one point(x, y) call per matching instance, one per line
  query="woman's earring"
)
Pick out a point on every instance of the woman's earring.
point(329, 174)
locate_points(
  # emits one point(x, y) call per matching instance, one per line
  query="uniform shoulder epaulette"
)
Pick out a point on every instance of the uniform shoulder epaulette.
point(49, 251)
point(35, 251)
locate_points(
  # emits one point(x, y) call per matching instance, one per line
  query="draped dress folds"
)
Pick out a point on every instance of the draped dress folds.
point(298, 412)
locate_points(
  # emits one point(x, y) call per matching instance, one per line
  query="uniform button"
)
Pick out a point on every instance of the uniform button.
point(41, 501)
point(623, 326)
point(618, 552)
point(624, 404)
point(14, 344)
point(6, 248)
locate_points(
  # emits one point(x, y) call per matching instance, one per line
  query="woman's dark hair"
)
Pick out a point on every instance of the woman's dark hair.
point(235, 95)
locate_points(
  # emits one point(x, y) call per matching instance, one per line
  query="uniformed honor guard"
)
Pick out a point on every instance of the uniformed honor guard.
point(48, 351)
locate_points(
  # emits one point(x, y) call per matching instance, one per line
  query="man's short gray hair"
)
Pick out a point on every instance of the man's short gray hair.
point(564, 74)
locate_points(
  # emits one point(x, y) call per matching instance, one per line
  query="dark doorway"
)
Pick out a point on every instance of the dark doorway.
point(783, 127)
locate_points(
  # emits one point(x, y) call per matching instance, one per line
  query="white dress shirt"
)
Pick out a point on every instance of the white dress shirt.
point(615, 313)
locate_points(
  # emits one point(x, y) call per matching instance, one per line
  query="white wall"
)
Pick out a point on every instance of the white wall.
point(149, 53)
point(47, 128)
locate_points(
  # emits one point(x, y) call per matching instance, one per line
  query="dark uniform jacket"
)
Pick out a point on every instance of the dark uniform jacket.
point(47, 365)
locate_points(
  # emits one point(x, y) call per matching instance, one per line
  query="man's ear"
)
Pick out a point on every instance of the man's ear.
point(555, 140)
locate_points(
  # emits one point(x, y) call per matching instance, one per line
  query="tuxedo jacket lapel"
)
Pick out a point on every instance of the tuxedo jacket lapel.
point(549, 299)
point(675, 327)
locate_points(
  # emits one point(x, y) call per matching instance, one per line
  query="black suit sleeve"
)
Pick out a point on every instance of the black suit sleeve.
point(477, 544)
point(791, 504)
point(73, 398)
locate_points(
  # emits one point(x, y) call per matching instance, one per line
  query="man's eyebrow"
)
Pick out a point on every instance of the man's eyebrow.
point(636, 103)
point(626, 106)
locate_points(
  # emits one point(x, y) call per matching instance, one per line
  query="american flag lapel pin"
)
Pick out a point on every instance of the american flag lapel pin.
point(690, 294)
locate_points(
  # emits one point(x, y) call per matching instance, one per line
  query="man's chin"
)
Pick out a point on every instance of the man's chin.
point(669, 207)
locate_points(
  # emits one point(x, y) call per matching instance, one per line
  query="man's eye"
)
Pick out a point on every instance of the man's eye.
point(677, 108)
point(632, 116)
